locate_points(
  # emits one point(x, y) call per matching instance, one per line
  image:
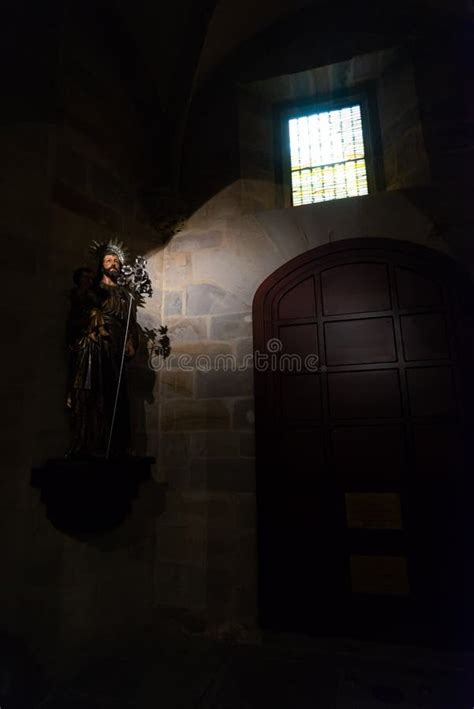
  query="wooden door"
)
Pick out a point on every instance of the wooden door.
point(363, 415)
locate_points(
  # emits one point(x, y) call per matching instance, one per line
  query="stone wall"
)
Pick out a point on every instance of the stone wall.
point(206, 539)
point(69, 174)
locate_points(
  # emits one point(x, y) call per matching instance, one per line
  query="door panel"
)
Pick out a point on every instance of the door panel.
point(415, 290)
point(369, 394)
point(364, 456)
point(298, 302)
point(355, 288)
point(360, 341)
point(424, 336)
point(431, 391)
point(363, 466)
point(299, 339)
point(300, 397)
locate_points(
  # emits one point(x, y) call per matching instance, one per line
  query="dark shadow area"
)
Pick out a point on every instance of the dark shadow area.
point(176, 669)
point(89, 496)
point(22, 684)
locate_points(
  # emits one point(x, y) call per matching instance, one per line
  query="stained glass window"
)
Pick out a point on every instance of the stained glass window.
point(327, 156)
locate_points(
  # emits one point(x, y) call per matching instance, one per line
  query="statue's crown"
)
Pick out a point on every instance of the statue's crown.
point(113, 246)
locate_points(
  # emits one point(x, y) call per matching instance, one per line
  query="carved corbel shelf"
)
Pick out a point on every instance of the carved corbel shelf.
point(90, 496)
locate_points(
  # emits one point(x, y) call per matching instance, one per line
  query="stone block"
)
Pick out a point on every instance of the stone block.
point(339, 75)
point(146, 239)
point(365, 67)
point(194, 587)
point(135, 584)
point(177, 271)
point(397, 91)
point(223, 474)
point(214, 444)
point(184, 508)
point(222, 547)
point(231, 475)
point(246, 511)
point(410, 152)
point(174, 449)
point(246, 552)
point(245, 601)
point(187, 354)
point(46, 570)
point(12, 486)
point(222, 384)
point(180, 259)
point(261, 194)
point(243, 265)
point(231, 327)
point(187, 329)
point(180, 585)
point(188, 415)
point(220, 583)
point(181, 544)
point(176, 384)
point(221, 508)
point(198, 474)
point(244, 349)
point(167, 583)
point(206, 298)
point(394, 130)
point(390, 167)
point(176, 477)
point(173, 303)
point(194, 240)
point(247, 445)
point(17, 533)
point(225, 202)
point(243, 414)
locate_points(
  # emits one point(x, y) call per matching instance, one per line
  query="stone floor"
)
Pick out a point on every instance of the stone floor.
point(181, 670)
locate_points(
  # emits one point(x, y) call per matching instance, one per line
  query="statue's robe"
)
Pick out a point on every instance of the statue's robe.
point(97, 336)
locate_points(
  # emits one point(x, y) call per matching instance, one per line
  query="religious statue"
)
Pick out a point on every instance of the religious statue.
point(102, 338)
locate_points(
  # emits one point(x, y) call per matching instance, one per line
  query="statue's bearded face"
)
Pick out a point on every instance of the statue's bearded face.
point(111, 266)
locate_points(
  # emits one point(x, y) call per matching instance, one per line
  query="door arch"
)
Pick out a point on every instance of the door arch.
point(363, 479)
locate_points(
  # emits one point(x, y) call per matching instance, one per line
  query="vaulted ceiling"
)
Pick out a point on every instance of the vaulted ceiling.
point(188, 46)
point(186, 41)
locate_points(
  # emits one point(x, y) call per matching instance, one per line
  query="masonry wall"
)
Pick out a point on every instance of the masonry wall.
point(231, 243)
point(71, 145)
point(206, 438)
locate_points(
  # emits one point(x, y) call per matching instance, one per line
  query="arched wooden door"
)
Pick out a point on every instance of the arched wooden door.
point(364, 474)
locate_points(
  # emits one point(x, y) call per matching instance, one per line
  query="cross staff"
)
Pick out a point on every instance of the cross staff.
point(138, 284)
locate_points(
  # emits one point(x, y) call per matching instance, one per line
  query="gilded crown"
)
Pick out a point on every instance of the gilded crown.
point(113, 246)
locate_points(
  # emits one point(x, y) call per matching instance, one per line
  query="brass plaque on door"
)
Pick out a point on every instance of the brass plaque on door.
point(381, 575)
point(373, 510)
